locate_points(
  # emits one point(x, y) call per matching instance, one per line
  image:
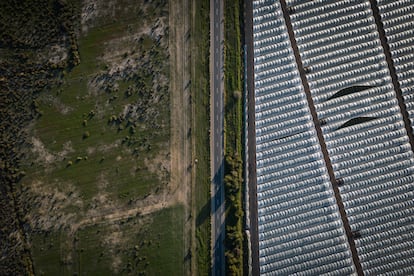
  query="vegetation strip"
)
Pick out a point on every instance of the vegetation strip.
point(233, 178)
point(201, 122)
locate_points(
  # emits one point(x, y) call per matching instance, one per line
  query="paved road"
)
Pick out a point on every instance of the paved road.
point(217, 138)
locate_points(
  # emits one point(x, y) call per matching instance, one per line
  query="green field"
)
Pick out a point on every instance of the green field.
point(79, 114)
point(100, 148)
point(142, 245)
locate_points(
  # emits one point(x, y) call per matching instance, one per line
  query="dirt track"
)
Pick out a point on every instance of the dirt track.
point(181, 142)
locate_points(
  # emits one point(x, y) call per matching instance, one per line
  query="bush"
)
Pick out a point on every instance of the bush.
point(86, 134)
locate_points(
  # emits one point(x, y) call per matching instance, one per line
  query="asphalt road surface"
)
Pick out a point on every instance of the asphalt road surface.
point(217, 138)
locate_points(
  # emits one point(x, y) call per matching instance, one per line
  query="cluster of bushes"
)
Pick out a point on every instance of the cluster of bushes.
point(234, 214)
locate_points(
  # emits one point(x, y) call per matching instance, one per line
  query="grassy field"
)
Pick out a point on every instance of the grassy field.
point(129, 246)
point(100, 149)
point(77, 115)
point(137, 246)
point(201, 98)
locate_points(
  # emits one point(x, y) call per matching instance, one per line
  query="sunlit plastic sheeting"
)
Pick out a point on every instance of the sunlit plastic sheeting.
point(343, 60)
point(381, 146)
point(275, 127)
point(315, 8)
point(352, 32)
point(330, 23)
point(316, 262)
point(375, 206)
point(277, 253)
point(336, 117)
point(349, 72)
point(373, 158)
point(291, 197)
point(313, 60)
point(394, 31)
point(261, 56)
point(401, 227)
point(275, 165)
point(373, 155)
point(292, 92)
point(365, 144)
point(265, 138)
point(281, 118)
point(398, 22)
point(401, 207)
point(399, 266)
point(376, 134)
point(264, 41)
point(299, 180)
point(404, 252)
point(399, 236)
point(349, 63)
point(276, 238)
point(323, 93)
point(284, 259)
point(291, 175)
point(403, 166)
point(386, 191)
point(289, 171)
point(279, 86)
point(287, 144)
point(334, 14)
point(260, 51)
point(271, 74)
point(339, 48)
point(269, 108)
point(272, 63)
point(267, 39)
point(367, 96)
point(374, 163)
point(273, 108)
point(286, 156)
point(286, 75)
point(325, 35)
point(377, 110)
point(293, 217)
point(289, 200)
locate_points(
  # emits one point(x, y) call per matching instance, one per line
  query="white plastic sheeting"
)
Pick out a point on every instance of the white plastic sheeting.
point(398, 20)
point(300, 229)
point(339, 42)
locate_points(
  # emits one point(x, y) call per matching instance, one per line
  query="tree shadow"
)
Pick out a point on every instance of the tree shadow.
point(211, 206)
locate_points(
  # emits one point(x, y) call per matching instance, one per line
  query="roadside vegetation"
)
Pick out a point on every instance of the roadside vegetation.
point(233, 168)
point(201, 100)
